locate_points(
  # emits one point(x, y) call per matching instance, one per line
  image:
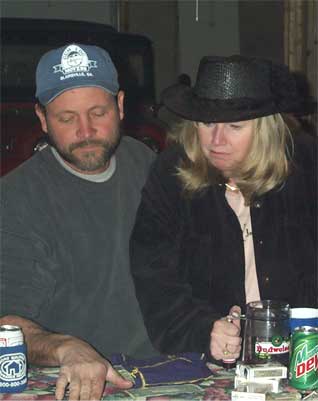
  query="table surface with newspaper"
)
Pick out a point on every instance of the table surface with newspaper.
point(219, 386)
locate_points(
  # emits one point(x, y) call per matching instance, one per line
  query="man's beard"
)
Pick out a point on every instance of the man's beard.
point(92, 160)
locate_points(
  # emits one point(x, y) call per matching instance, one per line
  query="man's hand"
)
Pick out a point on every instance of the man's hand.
point(225, 339)
point(82, 368)
point(85, 371)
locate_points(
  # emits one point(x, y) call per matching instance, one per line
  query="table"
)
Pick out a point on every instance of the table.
point(41, 386)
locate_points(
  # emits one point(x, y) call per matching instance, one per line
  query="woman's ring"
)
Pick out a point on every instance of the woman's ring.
point(226, 351)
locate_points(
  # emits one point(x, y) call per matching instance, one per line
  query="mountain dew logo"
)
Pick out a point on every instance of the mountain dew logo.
point(306, 360)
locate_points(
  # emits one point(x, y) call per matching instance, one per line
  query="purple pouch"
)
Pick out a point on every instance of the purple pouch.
point(162, 370)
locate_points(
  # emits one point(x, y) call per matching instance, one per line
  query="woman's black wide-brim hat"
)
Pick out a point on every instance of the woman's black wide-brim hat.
point(235, 88)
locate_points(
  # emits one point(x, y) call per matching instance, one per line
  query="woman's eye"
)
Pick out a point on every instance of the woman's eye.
point(236, 126)
point(209, 125)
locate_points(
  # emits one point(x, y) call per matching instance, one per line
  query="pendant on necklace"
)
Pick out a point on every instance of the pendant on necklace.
point(231, 187)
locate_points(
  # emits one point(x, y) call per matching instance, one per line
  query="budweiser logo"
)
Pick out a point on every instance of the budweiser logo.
point(269, 348)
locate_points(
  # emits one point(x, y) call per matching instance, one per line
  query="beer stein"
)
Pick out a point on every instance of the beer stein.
point(266, 333)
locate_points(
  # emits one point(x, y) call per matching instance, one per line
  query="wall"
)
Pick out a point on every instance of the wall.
point(224, 27)
point(85, 10)
point(179, 41)
point(261, 25)
point(156, 20)
point(215, 33)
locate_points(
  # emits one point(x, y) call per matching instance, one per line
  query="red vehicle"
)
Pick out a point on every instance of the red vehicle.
point(23, 43)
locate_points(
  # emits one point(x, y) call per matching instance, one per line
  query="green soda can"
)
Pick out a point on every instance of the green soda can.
point(303, 366)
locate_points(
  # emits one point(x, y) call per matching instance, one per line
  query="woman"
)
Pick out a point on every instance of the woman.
point(229, 210)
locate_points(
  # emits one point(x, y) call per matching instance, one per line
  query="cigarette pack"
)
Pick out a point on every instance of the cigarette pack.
point(263, 371)
point(242, 394)
point(266, 385)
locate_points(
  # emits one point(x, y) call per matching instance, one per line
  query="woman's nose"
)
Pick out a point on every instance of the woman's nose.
point(218, 134)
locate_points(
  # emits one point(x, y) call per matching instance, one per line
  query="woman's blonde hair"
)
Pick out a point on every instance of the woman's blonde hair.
point(265, 168)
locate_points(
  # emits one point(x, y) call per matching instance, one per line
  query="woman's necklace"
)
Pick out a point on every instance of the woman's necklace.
point(231, 187)
point(241, 211)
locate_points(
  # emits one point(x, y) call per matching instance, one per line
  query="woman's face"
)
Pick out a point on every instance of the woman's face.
point(226, 145)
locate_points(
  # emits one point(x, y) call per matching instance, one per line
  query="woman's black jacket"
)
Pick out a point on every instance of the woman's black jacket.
point(187, 255)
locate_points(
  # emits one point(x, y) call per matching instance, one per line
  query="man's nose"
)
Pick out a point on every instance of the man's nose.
point(85, 128)
point(218, 134)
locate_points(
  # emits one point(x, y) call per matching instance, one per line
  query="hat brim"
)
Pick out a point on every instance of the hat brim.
point(51, 94)
point(183, 101)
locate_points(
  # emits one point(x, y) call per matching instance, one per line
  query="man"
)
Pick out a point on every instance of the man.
point(67, 217)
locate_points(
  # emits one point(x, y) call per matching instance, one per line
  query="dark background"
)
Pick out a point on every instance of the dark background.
point(185, 30)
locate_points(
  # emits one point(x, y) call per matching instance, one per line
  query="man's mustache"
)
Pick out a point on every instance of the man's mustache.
point(85, 143)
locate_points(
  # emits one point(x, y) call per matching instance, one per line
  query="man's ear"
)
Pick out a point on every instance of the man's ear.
point(41, 115)
point(120, 103)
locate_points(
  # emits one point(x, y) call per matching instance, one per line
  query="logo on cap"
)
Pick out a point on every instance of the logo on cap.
point(74, 63)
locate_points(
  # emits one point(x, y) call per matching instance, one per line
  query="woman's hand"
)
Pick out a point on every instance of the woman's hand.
point(225, 341)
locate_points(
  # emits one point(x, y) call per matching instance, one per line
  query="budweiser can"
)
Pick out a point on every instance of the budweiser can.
point(303, 367)
point(13, 363)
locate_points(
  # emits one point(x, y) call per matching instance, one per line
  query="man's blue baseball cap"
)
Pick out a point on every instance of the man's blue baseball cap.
point(74, 66)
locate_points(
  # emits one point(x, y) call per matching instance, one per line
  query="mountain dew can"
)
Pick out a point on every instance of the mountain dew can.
point(303, 366)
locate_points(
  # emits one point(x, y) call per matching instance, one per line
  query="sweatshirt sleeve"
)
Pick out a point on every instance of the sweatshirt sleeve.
point(175, 320)
point(27, 272)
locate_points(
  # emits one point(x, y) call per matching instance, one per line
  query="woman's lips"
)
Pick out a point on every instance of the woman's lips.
point(219, 154)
